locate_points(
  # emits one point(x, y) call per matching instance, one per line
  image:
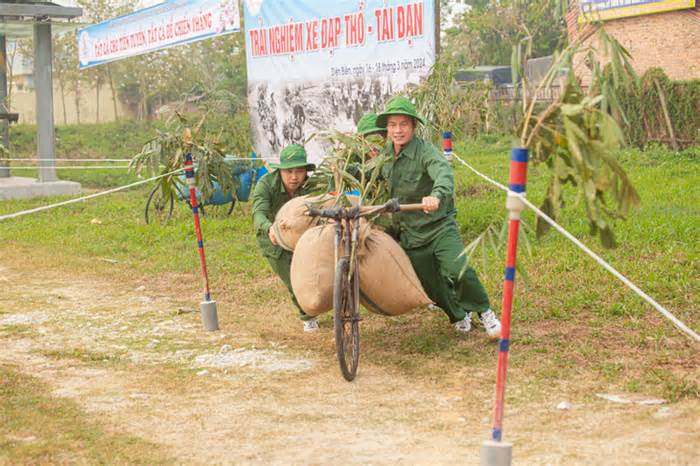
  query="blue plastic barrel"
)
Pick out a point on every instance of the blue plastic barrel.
point(245, 185)
point(218, 197)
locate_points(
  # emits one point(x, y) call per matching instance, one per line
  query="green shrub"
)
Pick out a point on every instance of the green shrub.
point(119, 139)
point(646, 122)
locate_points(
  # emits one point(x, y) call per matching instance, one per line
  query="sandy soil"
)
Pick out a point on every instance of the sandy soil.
point(235, 397)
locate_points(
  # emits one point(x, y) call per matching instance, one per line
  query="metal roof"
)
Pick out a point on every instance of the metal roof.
point(38, 10)
point(17, 19)
point(14, 29)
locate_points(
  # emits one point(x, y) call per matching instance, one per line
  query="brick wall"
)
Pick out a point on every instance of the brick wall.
point(668, 40)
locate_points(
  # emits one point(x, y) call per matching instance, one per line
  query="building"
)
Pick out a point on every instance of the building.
point(22, 71)
point(657, 33)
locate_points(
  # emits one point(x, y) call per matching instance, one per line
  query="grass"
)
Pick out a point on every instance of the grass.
point(572, 320)
point(18, 330)
point(36, 428)
point(114, 140)
point(83, 355)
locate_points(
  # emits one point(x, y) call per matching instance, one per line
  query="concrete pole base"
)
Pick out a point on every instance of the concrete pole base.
point(209, 316)
point(496, 453)
point(4, 171)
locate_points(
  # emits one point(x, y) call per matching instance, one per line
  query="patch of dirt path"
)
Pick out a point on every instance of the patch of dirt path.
point(142, 364)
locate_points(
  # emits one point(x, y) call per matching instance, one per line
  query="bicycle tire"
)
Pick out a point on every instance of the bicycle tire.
point(230, 209)
point(156, 204)
point(346, 321)
point(218, 210)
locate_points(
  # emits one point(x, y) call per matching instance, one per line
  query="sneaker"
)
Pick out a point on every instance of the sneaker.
point(311, 325)
point(464, 325)
point(491, 323)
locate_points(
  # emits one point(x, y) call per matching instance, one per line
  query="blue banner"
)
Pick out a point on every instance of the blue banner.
point(167, 24)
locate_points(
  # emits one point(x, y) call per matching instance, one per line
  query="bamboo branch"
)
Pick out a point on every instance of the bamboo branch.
point(662, 98)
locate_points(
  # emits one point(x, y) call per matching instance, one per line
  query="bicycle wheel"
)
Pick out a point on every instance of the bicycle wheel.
point(345, 306)
point(218, 210)
point(158, 208)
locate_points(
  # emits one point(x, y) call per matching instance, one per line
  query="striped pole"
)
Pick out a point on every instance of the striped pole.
point(447, 145)
point(208, 307)
point(497, 453)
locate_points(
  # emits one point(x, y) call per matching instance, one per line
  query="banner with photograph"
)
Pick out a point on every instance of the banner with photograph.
point(601, 10)
point(315, 65)
point(167, 24)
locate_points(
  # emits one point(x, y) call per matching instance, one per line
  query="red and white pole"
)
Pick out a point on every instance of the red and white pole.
point(207, 307)
point(495, 452)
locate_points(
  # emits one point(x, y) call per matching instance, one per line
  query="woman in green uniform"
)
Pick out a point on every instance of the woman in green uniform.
point(417, 172)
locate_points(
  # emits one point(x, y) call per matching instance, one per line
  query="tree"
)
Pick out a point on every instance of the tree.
point(65, 65)
point(487, 34)
point(97, 11)
point(574, 134)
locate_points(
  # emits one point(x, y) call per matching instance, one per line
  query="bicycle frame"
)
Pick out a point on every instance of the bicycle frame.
point(346, 289)
point(346, 235)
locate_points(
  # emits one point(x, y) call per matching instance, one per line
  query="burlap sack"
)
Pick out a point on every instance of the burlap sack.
point(388, 283)
point(291, 220)
point(313, 269)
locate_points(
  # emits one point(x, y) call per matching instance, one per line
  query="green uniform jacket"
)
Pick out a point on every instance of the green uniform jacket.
point(418, 171)
point(269, 196)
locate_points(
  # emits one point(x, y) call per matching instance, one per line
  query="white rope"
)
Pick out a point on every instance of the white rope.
point(91, 196)
point(104, 160)
point(68, 160)
point(494, 182)
point(687, 330)
point(73, 167)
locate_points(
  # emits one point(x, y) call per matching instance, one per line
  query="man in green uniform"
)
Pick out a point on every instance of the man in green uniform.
point(367, 126)
point(271, 193)
point(418, 173)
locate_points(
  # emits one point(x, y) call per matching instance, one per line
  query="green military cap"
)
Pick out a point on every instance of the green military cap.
point(399, 105)
point(292, 156)
point(368, 125)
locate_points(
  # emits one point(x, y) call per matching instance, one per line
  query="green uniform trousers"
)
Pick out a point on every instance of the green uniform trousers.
point(445, 276)
point(281, 266)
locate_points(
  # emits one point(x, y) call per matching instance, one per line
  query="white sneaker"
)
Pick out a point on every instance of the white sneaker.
point(311, 325)
point(464, 325)
point(491, 323)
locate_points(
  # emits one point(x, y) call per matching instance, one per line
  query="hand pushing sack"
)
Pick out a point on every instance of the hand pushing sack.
point(388, 283)
point(313, 269)
point(291, 220)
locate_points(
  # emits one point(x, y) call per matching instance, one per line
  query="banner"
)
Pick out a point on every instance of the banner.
point(600, 10)
point(173, 22)
point(315, 65)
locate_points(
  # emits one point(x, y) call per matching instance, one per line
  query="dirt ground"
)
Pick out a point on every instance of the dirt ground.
point(138, 360)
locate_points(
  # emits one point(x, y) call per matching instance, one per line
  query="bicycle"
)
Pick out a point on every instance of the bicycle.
point(346, 287)
point(159, 207)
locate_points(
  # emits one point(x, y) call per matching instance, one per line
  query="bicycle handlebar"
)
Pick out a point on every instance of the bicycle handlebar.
point(411, 207)
point(351, 212)
point(327, 213)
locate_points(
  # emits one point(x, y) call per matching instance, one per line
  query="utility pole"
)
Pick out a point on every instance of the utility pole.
point(437, 29)
point(4, 123)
